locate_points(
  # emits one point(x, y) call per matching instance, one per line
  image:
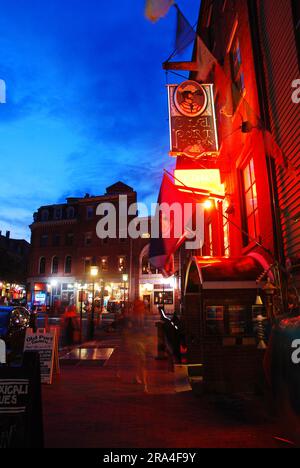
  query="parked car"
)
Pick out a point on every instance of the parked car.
point(13, 324)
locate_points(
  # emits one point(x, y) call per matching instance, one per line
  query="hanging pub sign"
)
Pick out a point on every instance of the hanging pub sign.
point(193, 129)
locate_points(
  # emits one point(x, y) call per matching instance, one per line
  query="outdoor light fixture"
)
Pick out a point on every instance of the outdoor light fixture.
point(125, 278)
point(94, 271)
point(208, 204)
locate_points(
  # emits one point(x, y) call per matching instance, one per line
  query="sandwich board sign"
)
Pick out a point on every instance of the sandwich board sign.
point(21, 419)
point(46, 344)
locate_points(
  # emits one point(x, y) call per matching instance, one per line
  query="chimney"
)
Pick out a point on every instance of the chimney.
point(7, 234)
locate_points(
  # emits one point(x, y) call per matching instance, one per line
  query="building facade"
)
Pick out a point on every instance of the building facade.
point(65, 245)
point(13, 268)
point(249, 51)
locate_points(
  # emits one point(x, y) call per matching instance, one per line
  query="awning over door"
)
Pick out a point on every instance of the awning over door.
point(223, 273)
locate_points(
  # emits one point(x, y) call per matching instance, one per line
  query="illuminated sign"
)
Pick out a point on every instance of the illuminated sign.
point(193, 130)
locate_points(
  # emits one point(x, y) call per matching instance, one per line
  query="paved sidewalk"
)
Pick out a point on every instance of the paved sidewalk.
point(102, 407)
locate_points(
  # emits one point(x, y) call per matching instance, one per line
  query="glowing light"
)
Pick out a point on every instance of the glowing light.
point(202, 179)
point(208, 204)
point(94, 271)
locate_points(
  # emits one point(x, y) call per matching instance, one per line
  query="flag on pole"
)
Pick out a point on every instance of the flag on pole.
point(173, 219)
point(156, 9)
point(205, 59)
point(2, 92)
point(185, 33)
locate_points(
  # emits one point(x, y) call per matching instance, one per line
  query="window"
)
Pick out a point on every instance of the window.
point(147, 268)
point(45, 215)
point(250, 202)
point(122, 264)
point(44, 240)
point(88, 239)
point(145, 265)
point(69, 239)
point(226, 232)
point(237, 75)
point(87, 265)
point(42, 266)
point(163, 297)
point(70, 212)
point(210, 240)
point(296, 16)
point(56, 240)
point(55, 265)
point(57, 213)
point(89, 212)
point(104, 264)
point(68, 265)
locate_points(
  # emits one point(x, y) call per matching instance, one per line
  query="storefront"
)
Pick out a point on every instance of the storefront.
point(220, 321)
point(158, 291)
point(10, 292)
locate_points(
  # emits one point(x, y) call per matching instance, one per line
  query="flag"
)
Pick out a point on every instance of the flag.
point(185, 33)
point(205, 59)
point(156, 9)
point(2, 92)
point(173, 228)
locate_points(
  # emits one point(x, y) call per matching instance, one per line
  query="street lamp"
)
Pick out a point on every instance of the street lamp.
point(94, 271)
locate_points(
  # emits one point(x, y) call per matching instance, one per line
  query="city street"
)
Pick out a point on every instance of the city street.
point(102, 407)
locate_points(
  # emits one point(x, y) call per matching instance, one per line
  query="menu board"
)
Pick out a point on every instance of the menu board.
point(45, 343)
point(215, 320)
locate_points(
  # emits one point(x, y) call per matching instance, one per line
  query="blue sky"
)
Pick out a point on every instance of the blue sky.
point(86, 101)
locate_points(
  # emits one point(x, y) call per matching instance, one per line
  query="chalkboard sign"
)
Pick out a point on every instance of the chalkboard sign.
point(45, 343)
point(21, 422)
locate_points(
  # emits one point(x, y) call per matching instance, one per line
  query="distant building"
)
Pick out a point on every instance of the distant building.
point(13, 267)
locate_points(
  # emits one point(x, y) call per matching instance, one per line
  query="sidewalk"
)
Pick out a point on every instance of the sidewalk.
point(94, 407)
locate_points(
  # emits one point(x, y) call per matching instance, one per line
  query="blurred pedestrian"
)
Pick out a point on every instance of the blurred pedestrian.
point(134, 342)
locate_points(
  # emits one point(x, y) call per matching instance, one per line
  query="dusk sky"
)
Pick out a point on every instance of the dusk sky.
point(86, 101)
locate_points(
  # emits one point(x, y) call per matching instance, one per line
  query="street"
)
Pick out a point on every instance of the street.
point(98, 407)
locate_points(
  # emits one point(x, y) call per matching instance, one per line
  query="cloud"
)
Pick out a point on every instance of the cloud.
point(86, 101)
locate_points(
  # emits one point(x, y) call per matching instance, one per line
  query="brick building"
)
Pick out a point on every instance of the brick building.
point(249, 50)
point(13, 267)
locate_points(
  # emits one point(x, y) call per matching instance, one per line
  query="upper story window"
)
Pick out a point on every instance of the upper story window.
point(44, 240)
point(68, 264)
point(45, 215)
point(55, 265)
point(57, 213)
point(237, 74)
point(88, 238)
point(70, 212)
point(42, 266)
point(250, 202)
point(87, 265)
point(89, 212)
point(56, 240)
